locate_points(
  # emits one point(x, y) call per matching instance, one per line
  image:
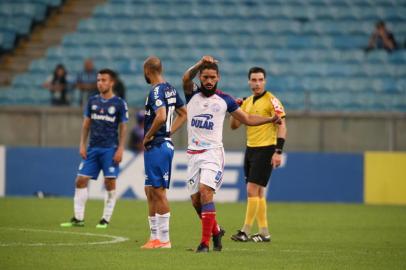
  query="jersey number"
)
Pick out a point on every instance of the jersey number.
point(169, 118)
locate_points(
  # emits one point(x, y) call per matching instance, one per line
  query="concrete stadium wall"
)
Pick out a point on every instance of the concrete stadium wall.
point(314, 132)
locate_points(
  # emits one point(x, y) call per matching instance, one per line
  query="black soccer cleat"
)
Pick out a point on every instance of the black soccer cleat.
point(260, 238)
point(202, 248)
point(217, 246)
point(73, 223)
point(103, 224)
point(240, 236)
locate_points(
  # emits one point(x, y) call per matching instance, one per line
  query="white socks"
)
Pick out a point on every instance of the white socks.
point(163, 227)
point(109, 203)
point(79, 203)
point(153, 227)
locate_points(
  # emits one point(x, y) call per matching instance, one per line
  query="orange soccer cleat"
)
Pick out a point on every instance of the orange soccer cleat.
point(151, 244)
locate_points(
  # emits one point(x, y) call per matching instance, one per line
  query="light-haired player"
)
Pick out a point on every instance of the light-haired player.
point(206, 109)
point(105, 117)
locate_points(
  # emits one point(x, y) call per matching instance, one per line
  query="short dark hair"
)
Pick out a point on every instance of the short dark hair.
point(110, 72)
point(256, 70)
point(380, 23)
point(207, 65)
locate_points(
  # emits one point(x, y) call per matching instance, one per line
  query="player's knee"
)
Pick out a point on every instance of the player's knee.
point(148, 193)
point(81, 182)
point(253, 190)
point(195, 198)
point(159, 194)
point(196, 204)
point(110, 184)
point(206, 195)
point(252, 193)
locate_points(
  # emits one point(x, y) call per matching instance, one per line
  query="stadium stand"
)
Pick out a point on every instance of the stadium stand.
point(20, 21)
point(17, 18)
point(313, 50)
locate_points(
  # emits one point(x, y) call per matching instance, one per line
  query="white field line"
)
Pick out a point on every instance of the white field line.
point(113, 239)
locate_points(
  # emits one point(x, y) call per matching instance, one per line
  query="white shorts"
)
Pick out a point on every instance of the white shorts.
point(206, 168)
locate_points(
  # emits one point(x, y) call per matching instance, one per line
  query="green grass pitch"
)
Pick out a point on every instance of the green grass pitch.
point(304, 236)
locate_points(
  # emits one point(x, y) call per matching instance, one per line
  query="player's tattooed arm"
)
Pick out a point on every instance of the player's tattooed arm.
point(84, 134)
point(188, 78)
point(191, 73)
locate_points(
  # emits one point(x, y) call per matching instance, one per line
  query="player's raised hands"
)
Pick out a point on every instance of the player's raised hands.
point(208, 59)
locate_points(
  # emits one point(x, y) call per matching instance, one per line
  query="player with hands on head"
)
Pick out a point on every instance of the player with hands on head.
point(206, 109)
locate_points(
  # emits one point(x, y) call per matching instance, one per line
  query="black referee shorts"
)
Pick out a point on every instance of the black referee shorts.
point(257, 164)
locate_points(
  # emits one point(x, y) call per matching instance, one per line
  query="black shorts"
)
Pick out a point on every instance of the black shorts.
point(257, 164)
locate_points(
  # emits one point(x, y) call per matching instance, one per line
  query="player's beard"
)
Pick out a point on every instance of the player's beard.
point(104, 90)
point(147, 79)
point(208, 92)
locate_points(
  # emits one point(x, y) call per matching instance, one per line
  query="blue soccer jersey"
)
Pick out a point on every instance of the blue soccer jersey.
point(105, 115)
point(161, 95)
point(158, 156)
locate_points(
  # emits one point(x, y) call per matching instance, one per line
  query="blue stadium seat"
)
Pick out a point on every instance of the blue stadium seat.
point(292, 100)
point(398, 56)
point(30, 10)
point(18, 24)
point(377, 56)
point(28, 80)
point(52, 3)
point(311, 49)
point(7, 40)
point(350, 42)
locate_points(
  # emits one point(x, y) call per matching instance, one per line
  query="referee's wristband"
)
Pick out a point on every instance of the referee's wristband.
point(279, 145)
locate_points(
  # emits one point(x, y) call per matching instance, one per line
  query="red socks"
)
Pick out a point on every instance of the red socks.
point(209, 224)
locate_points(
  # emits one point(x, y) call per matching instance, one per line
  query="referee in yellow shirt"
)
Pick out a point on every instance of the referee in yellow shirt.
point(263, 153)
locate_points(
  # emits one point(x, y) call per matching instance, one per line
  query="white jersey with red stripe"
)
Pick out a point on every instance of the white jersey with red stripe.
point(205, 118)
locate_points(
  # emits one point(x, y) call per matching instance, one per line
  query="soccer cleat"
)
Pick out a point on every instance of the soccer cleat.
point(151, 244)
point(163, 244)
point(217, 246)
point(260, 238)
point(202, 248)
point(103, 224)
point(73, 223)
point(240, 236)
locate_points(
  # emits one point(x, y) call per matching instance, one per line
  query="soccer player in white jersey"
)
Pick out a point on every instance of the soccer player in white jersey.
point(206, 109)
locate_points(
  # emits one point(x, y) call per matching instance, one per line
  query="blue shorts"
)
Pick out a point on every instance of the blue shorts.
point(99, 159)
point(158, 164)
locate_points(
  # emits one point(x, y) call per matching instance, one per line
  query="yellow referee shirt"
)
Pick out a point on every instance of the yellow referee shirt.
point(264, 105)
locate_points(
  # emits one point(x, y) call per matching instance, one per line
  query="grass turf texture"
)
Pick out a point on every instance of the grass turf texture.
point(305, 236)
